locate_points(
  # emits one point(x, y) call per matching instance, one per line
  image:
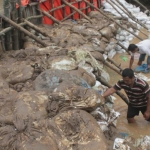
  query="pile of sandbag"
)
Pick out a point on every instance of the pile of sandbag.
point(47, 102)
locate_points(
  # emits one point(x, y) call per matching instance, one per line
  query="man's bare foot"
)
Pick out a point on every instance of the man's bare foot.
point(139, 63)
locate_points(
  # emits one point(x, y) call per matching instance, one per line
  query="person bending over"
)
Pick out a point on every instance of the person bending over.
point(143, 48)
point(138, 93)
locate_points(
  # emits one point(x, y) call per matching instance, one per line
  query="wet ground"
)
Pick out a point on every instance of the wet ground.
point(142, 127)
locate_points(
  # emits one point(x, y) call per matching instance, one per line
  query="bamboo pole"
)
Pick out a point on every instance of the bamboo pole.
point(50, 16)
point(73, 14)
point(61, 6)
point(121, 95)
point(132, 15)
point(123, 16)
point(118, 66)
point(23, 30)
point(112, 67)
point(114, 8)
point(113, 20)
point(123, 47)
point(36, 28)
point(142, 5)
point(80, 12)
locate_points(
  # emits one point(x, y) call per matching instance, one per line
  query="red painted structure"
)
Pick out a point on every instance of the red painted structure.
point(61, 13)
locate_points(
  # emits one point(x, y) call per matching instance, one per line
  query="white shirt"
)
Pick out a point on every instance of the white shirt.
point(144, 47)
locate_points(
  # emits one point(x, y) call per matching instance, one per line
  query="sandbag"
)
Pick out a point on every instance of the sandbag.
point(49, 80)
point(63, 63)
point(30, 138)
point(77, 96)
point(75, 129)
point(4, 87)
point(107, 32)
point(88, 77)
point(16, 73)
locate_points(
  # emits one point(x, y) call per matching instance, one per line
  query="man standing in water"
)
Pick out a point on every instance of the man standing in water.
point(143, 48)
point(138, 92)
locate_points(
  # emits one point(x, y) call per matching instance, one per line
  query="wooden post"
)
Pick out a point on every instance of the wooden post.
point(113, 20)
point(23, 30)
point(99, 3)
point(14, 17)
point(20, 16)
point(8, 42)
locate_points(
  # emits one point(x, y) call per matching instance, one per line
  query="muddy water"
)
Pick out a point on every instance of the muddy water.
point(142, 127)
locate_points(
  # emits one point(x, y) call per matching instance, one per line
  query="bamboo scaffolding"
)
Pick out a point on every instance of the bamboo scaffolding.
point(4, 31)
point(80, 12)
point(134, 19)
point(123, 16)
point(113, 20)
point(61, 6)
point(23, 30)
point(73, 14)
point(121, 95)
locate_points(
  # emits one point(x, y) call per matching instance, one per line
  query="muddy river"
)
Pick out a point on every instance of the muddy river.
point(142, 127)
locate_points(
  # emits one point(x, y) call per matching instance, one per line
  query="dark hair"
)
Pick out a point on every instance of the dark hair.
point(128, 73)
point(132, 47)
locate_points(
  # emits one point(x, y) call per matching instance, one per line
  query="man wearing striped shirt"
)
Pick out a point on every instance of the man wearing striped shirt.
point(138, 92)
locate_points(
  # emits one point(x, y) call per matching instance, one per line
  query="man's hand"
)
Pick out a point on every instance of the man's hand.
point(146, 115)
